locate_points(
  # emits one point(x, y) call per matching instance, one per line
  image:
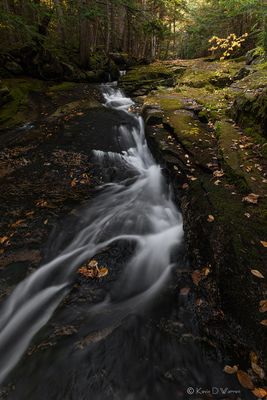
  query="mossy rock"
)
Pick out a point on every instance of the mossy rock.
point(18, 110)
point(250, 110)
point(62, 86)
point(148, 77)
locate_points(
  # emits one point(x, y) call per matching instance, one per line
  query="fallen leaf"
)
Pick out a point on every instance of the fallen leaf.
point(210, 218)
point(257, 273)
point(93, 263)
point(199, 302)
point(264, 322)
point(102, 272)
point(45, 222)
point(184, 291)
point(29, 213)
point(230, 370)
point(251, 198)
point(86, 272)
point(253, 357)
point(91, 270)
point(41, 203)
point(247, 215)
point(264, 243)
point(260, 393)
point(17, 223)
point(3, 239)
point(218, 174)
point(196, 277)
point(74, 182)
point(79, 113)
point(263, 306)
point(192, 178)
point(185, 186)
point(205, 271)
point(258, 370)
point(217, 182)
point(245, 380)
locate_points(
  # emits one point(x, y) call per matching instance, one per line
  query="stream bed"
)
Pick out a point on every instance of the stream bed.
point(131, 335)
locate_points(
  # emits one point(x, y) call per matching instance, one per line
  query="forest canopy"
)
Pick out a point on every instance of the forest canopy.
point(144, 29)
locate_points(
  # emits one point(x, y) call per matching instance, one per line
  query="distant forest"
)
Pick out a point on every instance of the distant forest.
point(144, 29)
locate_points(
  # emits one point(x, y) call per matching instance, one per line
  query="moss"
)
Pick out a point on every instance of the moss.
point(18, 110)
point(153, 75)
point(62, 86)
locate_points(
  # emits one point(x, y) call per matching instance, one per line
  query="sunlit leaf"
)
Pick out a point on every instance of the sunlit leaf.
point(230, 370)
point(263, 306)
point(257, 273)
point(260, 393)
point(252, 198)
point(210, 218)
point(258, 370)
point(245, 380)
point(3, 239)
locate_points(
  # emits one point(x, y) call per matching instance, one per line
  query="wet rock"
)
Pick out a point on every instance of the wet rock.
point(152, 115)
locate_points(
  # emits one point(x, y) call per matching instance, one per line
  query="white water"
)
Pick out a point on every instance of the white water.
point(138, 209)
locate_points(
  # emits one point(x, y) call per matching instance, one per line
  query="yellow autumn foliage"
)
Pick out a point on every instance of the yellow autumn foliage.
point(225, 47)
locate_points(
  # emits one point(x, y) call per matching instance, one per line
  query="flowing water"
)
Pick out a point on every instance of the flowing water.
point(137, 209)
point(134, 211)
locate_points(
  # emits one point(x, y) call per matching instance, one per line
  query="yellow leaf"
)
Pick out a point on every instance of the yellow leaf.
point(210, 218)
point(3, 239)
point(252, 198)
point(17, 223)
point(218, 174)
point(29, 213)
point(264, 243)
point(102, 272)
point(258, 370)
point(41, 203)
point(196, 277)
point(260, 393)
point(263, 306)
point(257, 273)
point(253, 357)
point(92, 263)
point(245, 380)
point(205, 271)
point(230, 370)
point(74, 182)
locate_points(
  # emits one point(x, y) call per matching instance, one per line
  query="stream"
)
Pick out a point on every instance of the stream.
point(138, 338)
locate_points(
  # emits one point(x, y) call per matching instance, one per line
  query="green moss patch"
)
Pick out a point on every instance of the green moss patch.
point(18, 110)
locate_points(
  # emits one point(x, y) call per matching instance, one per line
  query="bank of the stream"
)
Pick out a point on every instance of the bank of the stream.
point(206, 122)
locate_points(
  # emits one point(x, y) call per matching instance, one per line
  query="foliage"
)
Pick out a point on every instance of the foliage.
point(227, 46)
point(140, 28)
